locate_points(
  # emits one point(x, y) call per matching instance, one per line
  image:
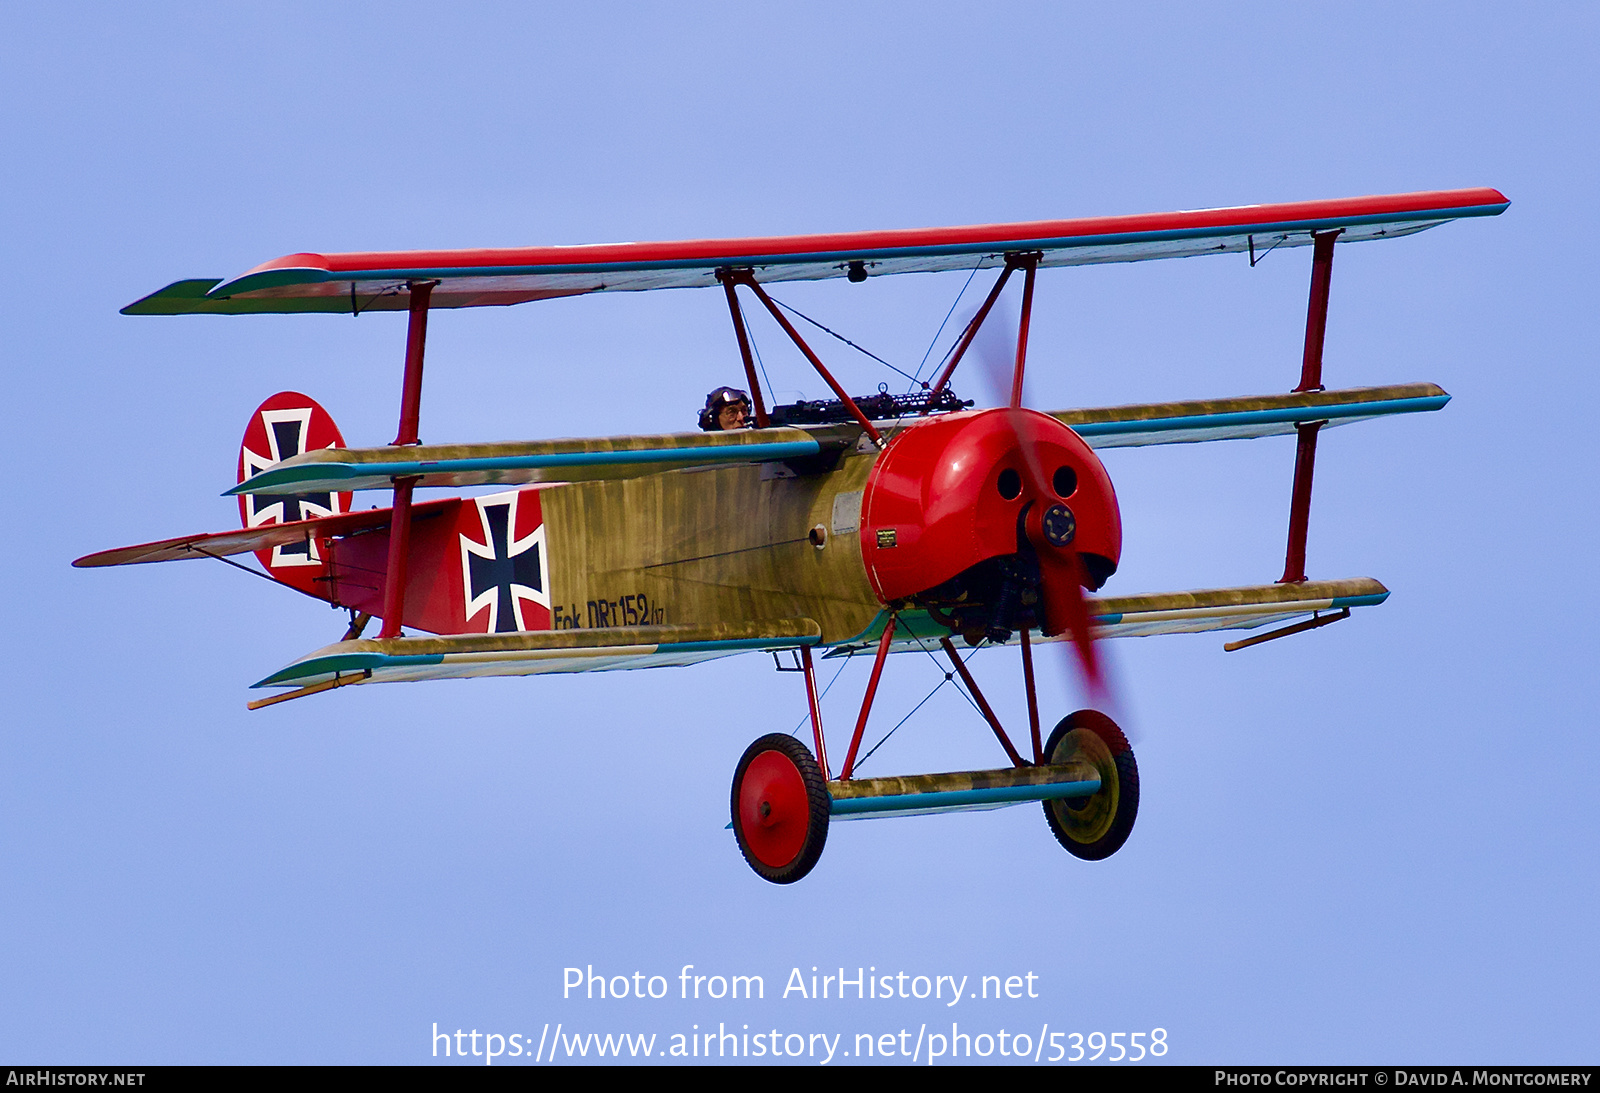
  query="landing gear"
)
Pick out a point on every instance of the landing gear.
point(780, 808)
point(1094, 827)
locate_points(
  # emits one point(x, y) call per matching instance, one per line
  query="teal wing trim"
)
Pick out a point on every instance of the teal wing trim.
point(314, 669)
point(1244, 417)
point(1245, 424)
point(533, 653)
point(318, 477)
point(1157, 613)
point(963, 800)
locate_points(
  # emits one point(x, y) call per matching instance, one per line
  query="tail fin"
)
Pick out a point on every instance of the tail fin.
point(288, 424)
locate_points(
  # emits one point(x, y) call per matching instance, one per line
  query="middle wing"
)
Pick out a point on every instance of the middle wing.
point(523, 462)
point(1242, 418)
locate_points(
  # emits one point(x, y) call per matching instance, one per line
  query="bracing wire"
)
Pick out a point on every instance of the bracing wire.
point(236, 565)
point(761, 364)
point(949, 677)
point(902, 721)
point(796, 730)
point(860, 349)
point(953, 305)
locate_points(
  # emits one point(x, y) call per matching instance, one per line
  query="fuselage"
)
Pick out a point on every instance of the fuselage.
point(922, 520)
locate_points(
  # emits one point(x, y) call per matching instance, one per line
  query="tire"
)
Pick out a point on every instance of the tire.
point(1094, 828)
point(780, 807)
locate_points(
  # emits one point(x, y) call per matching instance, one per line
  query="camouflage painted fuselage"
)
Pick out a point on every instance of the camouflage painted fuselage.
point(700, 546)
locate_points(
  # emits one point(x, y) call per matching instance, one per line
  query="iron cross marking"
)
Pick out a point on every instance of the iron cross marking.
point(288, 436)
point(505, 572)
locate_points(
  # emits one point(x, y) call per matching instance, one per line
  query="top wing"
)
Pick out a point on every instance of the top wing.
point(375, 281)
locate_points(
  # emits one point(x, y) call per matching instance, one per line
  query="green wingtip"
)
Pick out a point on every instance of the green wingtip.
point(191, 298)
point(282, 476)
point(178, 298)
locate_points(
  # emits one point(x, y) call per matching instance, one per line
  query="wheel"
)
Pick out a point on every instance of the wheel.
point(1094, 827)
point(780, 808)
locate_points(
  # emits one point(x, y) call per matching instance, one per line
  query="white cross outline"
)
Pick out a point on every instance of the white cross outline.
point(273, 512)
point(514, 546)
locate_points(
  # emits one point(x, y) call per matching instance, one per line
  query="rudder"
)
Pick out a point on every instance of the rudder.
point(290, 424)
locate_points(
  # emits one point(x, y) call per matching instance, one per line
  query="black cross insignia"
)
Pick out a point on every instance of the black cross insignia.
point(506, 572)
point(288, 437)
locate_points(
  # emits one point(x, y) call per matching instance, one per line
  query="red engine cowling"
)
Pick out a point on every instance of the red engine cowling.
point(950, 493)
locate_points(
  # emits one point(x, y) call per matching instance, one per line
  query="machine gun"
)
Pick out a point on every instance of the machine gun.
point(877, 407)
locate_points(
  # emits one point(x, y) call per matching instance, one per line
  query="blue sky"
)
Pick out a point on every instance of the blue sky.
point(1373, 843)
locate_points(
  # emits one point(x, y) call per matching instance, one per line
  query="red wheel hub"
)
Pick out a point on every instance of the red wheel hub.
point(774, 811)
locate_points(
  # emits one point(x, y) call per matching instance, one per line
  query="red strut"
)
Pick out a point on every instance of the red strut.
point(411, 386)
point(1305, 458)
point(727, 279)
point(816, 362)
point(982, 703)
point(1317, 310)
point(866, 702)
point(971, 331)
point(1030, 264)
point(1033, 697)
point(394, 581)
point(1305, 455)
point(816, 711)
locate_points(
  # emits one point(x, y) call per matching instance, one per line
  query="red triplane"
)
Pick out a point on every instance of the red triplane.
point(853, 525)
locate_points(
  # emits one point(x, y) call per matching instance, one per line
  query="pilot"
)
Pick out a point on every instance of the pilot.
point(726, 408)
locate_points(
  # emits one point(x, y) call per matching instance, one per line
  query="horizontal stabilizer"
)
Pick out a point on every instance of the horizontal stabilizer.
point(461, 656)
point(1243, 418)
point(376, 281)
point(523, 462)
point(220, 543)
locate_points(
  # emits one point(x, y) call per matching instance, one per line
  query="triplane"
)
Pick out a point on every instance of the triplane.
point(854, 525)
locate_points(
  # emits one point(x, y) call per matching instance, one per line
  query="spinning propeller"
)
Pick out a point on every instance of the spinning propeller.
point(994, 520)
point(1049, 527)
point(1048, 524)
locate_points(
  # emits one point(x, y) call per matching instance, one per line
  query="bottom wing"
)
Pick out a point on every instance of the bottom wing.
point(405, 660)
point(1162, 613)
point(1229, 608)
